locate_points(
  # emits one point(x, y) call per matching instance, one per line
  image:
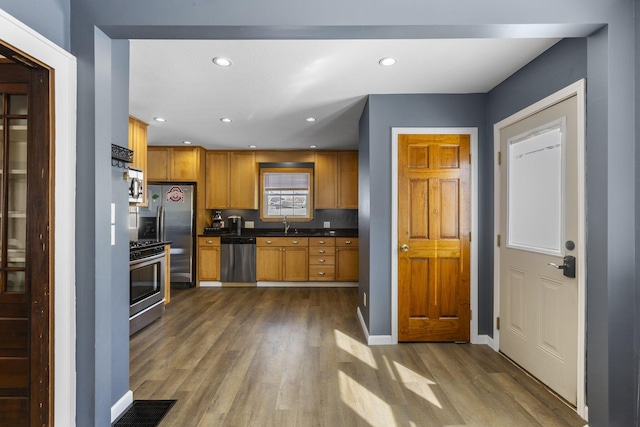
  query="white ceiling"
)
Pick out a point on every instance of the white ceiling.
point(274, 85)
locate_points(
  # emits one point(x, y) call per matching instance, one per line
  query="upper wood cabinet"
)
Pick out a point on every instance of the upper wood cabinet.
point(138, 143)
point(336, 180)
point(231, 178)
point(179, 164)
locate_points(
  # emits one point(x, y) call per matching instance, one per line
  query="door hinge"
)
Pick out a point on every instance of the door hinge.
point(470, 314)
point(469, 158)
point(499, 158)
point(469, 236)
point(497, 323)
point(498, 240)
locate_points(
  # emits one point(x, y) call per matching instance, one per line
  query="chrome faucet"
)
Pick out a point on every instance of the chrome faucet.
point(287, 224)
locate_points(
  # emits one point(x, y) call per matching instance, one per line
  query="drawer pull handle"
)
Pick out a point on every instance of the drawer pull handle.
point(348, 242)
point(321, 260)
point(268, 242)
point(322, 242)
point(295, 242)
point(321, 251)
point(209, 241)
point(321, 273)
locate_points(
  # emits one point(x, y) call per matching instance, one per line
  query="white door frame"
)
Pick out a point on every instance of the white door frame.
point(473, 133)
point(21, 37)
point(577, 89)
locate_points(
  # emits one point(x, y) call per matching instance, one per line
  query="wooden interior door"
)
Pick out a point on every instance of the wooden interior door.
point(433, 236)
point(25, 217)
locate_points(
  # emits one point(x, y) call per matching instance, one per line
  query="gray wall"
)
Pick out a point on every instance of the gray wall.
point(49, 18)
point(364, 213)
point(612, 208)
point(563, 64)
point(385, 112)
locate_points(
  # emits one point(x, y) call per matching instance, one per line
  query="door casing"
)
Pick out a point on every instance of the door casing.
point(21, 37)
point(577, 89)
point(473, 133)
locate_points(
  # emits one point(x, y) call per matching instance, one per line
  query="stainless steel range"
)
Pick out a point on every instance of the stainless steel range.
point(147, 266)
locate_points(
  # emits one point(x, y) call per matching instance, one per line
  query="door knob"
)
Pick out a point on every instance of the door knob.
point(404, 248)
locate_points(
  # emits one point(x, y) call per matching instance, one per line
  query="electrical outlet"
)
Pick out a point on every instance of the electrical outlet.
point(327, 224)
point(248, 224)
point(365, 299)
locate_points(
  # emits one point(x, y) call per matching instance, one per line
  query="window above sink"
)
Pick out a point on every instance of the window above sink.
point(286, 192)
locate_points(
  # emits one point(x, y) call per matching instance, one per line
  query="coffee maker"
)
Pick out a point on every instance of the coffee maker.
point(235, 224)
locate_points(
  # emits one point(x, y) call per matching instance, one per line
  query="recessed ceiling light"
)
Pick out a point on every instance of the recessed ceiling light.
point(310, 119)
point(186, 142)
point(222, 62)
point(387, 62)
point(159, 119)
point(252, 146)
point(313, 146)
point(225, 120)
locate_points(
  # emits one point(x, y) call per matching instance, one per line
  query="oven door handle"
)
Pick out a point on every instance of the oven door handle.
point(148, 259)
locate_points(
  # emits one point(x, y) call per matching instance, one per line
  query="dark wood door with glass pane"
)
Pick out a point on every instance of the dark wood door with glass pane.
point(25, 377)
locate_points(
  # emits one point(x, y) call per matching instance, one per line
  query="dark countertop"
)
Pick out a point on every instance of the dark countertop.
point(278, 232)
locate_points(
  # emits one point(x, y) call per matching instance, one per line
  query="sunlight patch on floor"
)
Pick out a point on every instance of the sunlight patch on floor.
point(416, 383)
point(355, 348)
point(367, 405)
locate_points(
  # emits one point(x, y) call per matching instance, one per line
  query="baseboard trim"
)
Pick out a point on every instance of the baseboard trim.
point(486, 339)
point(373, 339)
point(204, 284)
point(121, 405)
point(264, 284)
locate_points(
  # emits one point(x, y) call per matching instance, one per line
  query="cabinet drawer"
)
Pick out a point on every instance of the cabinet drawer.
point(347, 241)
point(322, 260)
point(322, 272)
point(208, 241)
point(322, 241)
point(282, 241)
point(321, 250)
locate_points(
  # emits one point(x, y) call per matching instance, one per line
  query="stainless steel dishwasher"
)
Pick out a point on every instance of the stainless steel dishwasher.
point(238, 259)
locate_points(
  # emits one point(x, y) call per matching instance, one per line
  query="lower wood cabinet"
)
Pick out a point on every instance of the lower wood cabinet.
point(208, 259)
point(282, 259)
point(347, 266)
point(322, 259)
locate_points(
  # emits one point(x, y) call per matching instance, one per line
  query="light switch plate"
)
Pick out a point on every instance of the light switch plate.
point(327, 224)
point(248, 224)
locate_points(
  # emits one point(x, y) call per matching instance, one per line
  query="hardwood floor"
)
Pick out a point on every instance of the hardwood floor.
point(297, 357)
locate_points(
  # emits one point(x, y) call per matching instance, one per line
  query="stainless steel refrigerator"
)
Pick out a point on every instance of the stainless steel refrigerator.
point(170, 217)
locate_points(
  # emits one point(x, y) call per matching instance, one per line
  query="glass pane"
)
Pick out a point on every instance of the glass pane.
point(287, 202)
point(535, 191)
point(17, 193)
point(18, 104)
point(286, 180)
point(15, 281)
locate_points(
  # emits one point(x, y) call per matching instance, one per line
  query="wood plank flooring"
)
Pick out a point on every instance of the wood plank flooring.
point(297, 357)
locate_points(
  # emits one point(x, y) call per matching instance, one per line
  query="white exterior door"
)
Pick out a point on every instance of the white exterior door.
point(539, 232)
